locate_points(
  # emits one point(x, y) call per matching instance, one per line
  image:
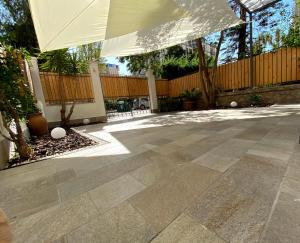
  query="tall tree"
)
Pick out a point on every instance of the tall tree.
point(90, 52)
point(16, 26)
point(237, 38)
point(207, 73)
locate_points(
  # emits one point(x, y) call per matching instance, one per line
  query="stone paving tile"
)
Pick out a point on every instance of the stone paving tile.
point(151, 173)
point(64, 176)
point(24, 199)
point(237, 206)
point(52, 223)
point(188, 140)
point(216, 162)
point(103, 175)
point(231, 132)
point(225, 155)
point(201, 147)
point(165, 200)
point(270, 151)
point(185, 230)
point(121, 224)
point(284, 226)
point(115, 192)
point(255, 133)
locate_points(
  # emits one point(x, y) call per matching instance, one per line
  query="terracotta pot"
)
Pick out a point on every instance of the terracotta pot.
point(188, 105)
point(37, 124)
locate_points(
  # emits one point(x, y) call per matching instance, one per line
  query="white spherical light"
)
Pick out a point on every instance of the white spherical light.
point(86, 121)
point(58, 133)
point(233, 104)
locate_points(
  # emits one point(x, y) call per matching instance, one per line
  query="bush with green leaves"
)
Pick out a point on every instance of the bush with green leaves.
point(255, 99)
point(191, 95)
point(170, 104)
point(16, 100)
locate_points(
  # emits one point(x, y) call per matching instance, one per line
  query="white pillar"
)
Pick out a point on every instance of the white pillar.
point(152, 91)
point(97, 86)
point(37, 85)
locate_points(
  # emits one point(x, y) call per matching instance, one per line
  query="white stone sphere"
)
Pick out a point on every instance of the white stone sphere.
point(233, 104)
point(86, 121)
point(58, 133)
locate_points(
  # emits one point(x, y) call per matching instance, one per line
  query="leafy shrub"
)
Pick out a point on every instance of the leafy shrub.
point(170, 104)
point(191, 95)
point(255, 99)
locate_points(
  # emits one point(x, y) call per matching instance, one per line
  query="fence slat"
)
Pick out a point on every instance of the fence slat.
point(276, 67)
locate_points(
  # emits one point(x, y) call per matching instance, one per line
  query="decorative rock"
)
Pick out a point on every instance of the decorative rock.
point(86, 121)
point(233, 104)
point(58, 133)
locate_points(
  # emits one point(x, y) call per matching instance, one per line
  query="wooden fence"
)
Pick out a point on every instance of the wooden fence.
point(77, 88)
point(123, 86)
point(272, 68)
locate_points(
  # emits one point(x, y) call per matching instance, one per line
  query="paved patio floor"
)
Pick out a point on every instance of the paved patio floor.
point(203, 176)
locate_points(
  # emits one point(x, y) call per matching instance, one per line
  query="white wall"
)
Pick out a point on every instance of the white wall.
point(94, 111)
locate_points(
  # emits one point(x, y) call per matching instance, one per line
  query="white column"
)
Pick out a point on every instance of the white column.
point(152, 91)
point(37, 85)
point(97, 86)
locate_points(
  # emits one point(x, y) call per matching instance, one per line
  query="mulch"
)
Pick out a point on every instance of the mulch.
point(46, 147)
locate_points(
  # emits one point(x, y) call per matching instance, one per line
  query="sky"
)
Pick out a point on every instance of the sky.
point(123, 68)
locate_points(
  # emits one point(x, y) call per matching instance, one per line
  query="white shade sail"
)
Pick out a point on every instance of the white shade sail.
point(204, 17)
point(127, 26)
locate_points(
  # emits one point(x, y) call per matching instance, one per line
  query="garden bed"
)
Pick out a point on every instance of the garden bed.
point(46, 147)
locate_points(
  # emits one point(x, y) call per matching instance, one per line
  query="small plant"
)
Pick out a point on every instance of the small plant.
point(170, 104)
point(191, 95)
point(255, 99)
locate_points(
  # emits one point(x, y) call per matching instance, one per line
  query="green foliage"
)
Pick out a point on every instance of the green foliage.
point(191, 95)
point(139, 64)
point(255, 99)
point(170, 104)
point(169, 63)
point(15, 92)
point(292, 39)
point(16, 26)
point(90, 52)
point(62, 62)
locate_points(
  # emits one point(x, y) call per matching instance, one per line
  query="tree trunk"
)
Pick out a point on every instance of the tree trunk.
point(207, 78)
point(205, 81)
point(22, 147)
point(62, 101)
point(242, 32)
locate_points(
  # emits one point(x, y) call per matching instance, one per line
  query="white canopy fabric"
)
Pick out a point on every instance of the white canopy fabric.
point(204, 17)
point(127, 27)
point(66, 23)
point(253, 5)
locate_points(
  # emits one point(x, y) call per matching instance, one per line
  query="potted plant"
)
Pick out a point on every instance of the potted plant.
point(36, 122)
point(189, 98)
